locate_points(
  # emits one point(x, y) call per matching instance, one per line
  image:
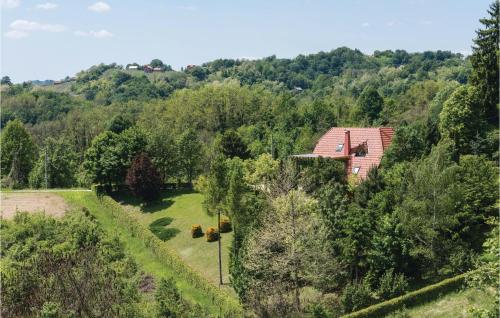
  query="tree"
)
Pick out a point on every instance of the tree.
point(18, 153)
point(459, 120)
point(143, 179)
point(102, 159)
point(285, 254)
point(370, 103)
point(485, 63)
point(216, 188)
point(58, 161)
point(119, 123)
point(232, 145)
point(110, 155)
point(156, 63)
point(6, 81)
point(189, 154)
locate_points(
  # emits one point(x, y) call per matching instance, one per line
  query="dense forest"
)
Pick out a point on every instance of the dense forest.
point(307, 238)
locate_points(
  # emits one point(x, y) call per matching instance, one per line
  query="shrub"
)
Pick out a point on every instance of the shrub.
point(196, 231)
point(212, 234)
point(392, 284)
point(225, 225)
point(356, 296)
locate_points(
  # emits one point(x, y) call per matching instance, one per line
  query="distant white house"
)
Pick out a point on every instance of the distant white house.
point(132, 67)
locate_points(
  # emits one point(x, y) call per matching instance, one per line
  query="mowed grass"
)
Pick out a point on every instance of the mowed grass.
point(453, 305)
point(185, 208)
point(145, 259)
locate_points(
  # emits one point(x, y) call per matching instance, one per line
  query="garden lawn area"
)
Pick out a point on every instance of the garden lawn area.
point(453, 305)
point(145, 259)
point(184, 207)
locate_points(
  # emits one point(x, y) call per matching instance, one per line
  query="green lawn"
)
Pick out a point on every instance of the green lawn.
point(453, 305)
point(146, 260)
point(185, 209)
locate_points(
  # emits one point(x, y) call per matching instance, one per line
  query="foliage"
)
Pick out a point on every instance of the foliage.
point(18, 154)
point(44, 259)
point(189, 154)
point(356, 296)
point(225, 225)
point(171, 304)
point(143, 179)
point(58, 161)
point(231, 145)
point(485, 63)
point(460, 120)
point(212, 234)
point(370, 103)
point(392, 284)
point(196, 231)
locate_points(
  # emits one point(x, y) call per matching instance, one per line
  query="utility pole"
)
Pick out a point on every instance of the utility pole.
point(46, 179)
point(220, 251)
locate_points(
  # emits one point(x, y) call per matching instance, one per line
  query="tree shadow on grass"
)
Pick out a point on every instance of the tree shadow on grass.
point(159, 228)
point(126, 197)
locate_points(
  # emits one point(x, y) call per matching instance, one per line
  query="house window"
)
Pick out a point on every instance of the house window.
point(339, 147)
point(355, 170)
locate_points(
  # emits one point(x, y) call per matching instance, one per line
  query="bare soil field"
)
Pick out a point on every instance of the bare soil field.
point(50, 203)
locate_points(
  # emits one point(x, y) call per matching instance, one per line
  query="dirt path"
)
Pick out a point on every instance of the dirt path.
point(49, 203)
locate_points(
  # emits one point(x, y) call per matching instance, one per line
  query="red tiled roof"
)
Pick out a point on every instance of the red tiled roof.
point(377, 140)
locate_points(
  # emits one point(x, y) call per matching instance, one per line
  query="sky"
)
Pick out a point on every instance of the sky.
point(51, 39)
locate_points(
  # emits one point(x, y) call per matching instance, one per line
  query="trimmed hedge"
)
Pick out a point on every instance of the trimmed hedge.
point(196, 231)
point(229, 306)
point(410, 299)
point(225, 225)
point(212, 234)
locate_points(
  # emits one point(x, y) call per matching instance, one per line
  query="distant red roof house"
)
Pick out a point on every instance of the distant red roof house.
point(360, 148)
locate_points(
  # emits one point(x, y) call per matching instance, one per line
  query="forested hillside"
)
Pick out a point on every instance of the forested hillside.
point(306, 238)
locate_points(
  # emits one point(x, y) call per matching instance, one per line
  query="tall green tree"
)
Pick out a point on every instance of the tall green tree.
point(58, 161)
point(18, 154)
point(460, 120)
point(370, 103)
point(485, 63)
point(189, 154)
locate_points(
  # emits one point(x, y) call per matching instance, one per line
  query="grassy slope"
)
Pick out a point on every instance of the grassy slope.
point(186, 209)
point(454, 305)
point(145, 259)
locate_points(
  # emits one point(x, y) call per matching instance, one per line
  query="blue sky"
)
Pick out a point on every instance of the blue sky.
point(49, 39)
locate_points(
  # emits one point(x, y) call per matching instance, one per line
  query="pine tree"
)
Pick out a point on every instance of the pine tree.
point(485, 63)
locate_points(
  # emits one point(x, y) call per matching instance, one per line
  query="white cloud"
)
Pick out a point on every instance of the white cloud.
point(390, 23)
point(9, 4)
point(101, 34)
point(189, 8)
point(16, 34)
point(47, 6)
point(100, 7)
point(365, 25)
point(25, 25)
point(426, 22)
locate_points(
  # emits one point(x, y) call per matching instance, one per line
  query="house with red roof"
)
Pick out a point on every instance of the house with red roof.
point(360, 148)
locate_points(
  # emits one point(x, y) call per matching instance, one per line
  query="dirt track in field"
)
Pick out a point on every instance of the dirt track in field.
point(50, 203)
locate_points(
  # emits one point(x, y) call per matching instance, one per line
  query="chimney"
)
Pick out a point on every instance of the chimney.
point(347, 142)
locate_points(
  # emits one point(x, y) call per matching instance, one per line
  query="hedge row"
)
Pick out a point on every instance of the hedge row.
point(230, 307)
point(410, 299)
